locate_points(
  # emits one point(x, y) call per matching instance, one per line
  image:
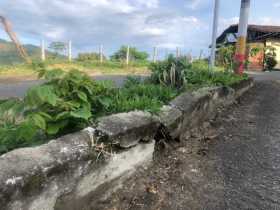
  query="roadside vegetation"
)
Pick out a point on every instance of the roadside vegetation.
point(70, 100)
point(89, 63)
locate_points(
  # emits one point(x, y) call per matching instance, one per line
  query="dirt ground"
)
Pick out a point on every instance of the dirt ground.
point(233, 164)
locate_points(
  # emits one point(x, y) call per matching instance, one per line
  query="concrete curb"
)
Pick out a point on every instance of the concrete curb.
point(64, 173)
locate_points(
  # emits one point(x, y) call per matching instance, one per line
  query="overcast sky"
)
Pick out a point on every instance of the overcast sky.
point(140, 23)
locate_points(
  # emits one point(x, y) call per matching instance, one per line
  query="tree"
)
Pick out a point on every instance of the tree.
point(134, 54)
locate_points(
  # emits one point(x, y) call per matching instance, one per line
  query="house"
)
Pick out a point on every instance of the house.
point(258, 36)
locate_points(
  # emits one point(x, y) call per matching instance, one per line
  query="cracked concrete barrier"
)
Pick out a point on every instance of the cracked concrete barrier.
point(127, 129)
point(68, 173)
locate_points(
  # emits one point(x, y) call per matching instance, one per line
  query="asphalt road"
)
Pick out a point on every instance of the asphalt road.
point(18, 89)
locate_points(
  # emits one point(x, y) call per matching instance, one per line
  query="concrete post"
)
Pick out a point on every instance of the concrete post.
point(240, 54)
point(101, 53)
point(127, 55)
point(43, 52)
point(177, 52)
point(70, 51)
point(155, 55)
point(214, 33)
point(200, 54)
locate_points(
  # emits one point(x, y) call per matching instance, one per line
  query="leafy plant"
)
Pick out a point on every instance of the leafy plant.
point(148, 97)
point(225, 57)
point(270, 58)
point(69, 101)
point(62, 104)
point(132, 81)
point(170, 72)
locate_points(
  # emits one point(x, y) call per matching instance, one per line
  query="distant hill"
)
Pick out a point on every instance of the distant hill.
point(9, 53)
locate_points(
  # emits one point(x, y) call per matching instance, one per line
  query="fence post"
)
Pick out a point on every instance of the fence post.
point(70, 51)
point(43, 52)
point(101, 53)
point(177, 52)
point(155, 55)
point(200, 54)
point(127, 55)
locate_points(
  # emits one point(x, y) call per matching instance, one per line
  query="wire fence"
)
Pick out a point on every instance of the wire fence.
point(101, 52)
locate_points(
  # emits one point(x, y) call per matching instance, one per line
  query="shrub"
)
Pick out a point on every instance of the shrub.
point(148, 97)
point(90, 56)
point(67, 102)
point(225, 56)
point(177, 73)
point(134, 54)
point(200, 78)
point(270, 58)
point(170, 72)
point(62, 104)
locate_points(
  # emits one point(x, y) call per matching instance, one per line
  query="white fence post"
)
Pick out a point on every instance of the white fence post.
point(177, 52)
point(155, 55)
point(101, 53)
point(43, 52)
point(70, 51)
point(200, 54)
point(127, 55)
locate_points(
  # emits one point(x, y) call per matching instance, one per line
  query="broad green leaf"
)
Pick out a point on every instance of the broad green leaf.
point(84, 113)
point(62, 116)
point(39, 95)
point(39, 121)
point(26, 131)
point(55, 127)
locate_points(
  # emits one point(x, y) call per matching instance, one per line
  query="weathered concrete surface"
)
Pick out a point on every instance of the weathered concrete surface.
point(200, 106)
point(64, 174)
point(171, 118)
point(127, 129)
point(99, 184)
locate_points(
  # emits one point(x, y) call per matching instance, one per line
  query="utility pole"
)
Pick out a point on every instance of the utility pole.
point(214, 33)
point(70, 51)
point(127, 55)
point(43, 52)
point(240, 54)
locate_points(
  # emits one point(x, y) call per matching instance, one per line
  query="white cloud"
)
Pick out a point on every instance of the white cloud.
point(55, 33)
point(112, 23)
point(193, 4)
point(267, 21)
